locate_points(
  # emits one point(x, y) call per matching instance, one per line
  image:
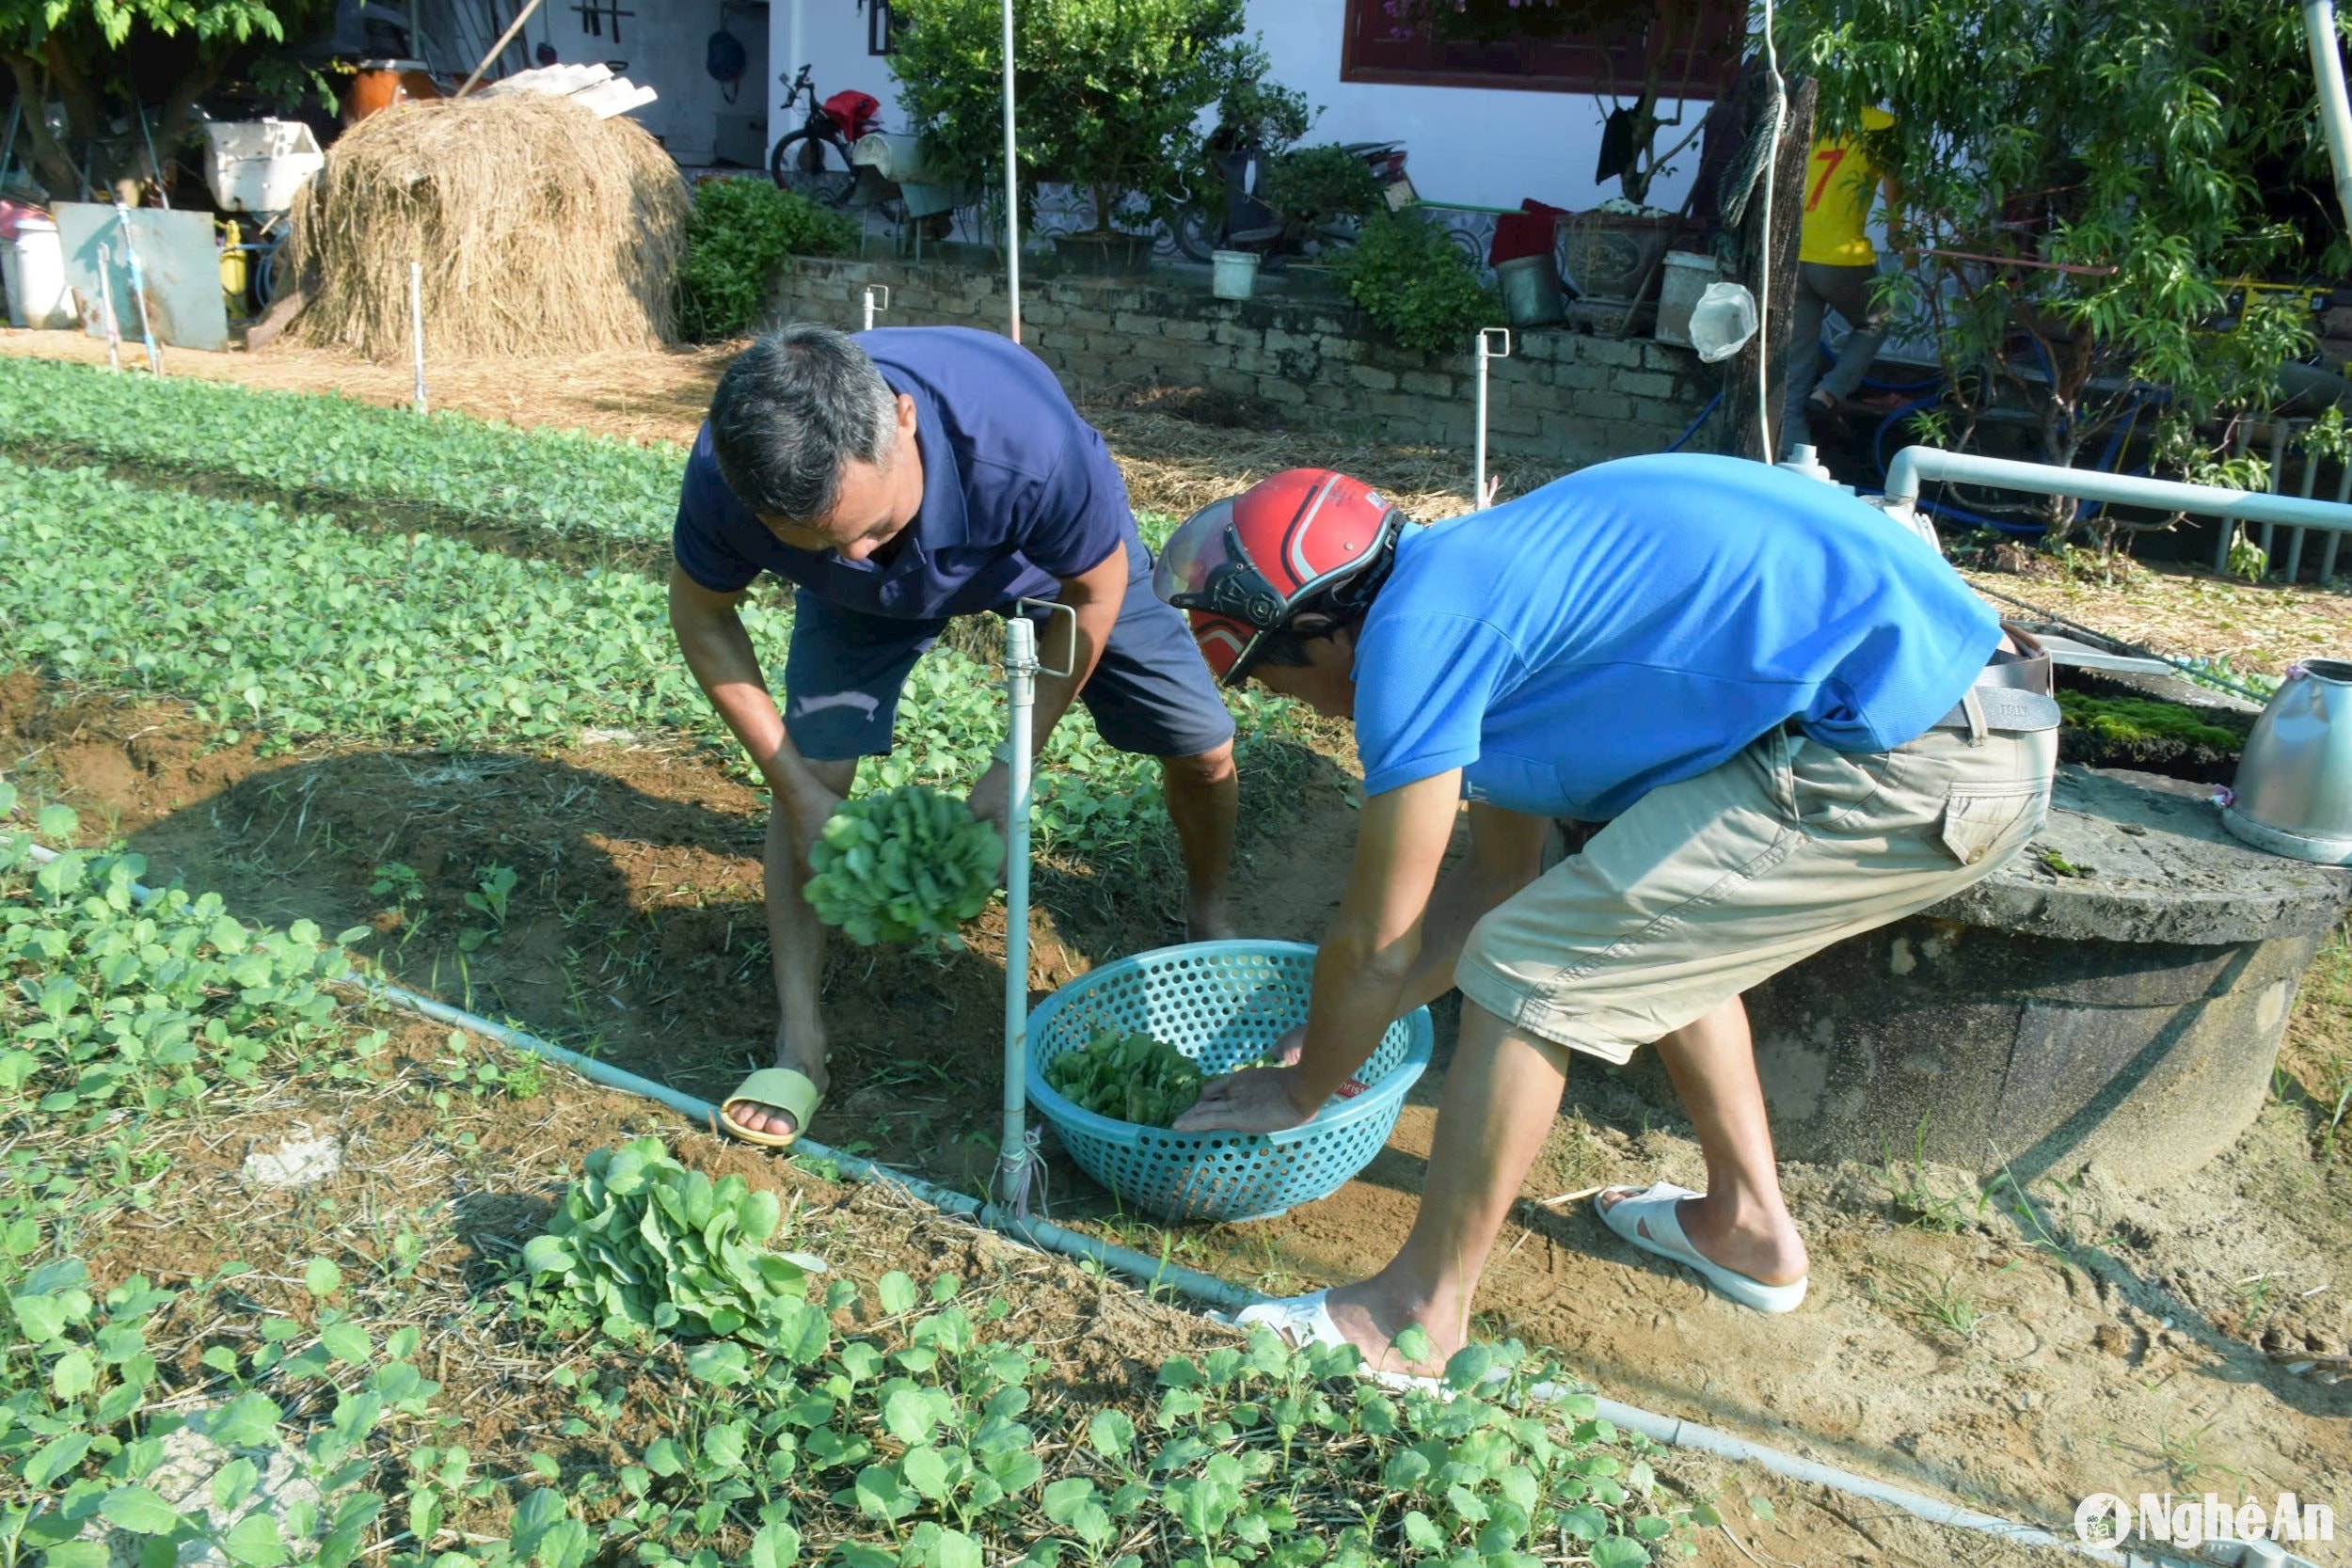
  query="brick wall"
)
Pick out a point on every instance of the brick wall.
point(1562, 398)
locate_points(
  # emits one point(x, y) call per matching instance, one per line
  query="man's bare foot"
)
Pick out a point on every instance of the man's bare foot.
point(776, 1122)
point(1766, 1248)
point(1371, 1317)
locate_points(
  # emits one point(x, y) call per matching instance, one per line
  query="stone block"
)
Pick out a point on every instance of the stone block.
point(1373, 378)
point(1233, 334)
point(1346, 351)
point(1642, 383)
point(1670, 357)
point(1623, 352)
point(1177, 330)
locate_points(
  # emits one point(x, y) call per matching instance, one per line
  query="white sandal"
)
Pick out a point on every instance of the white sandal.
point(1654, 1209)
point(1303, 1321)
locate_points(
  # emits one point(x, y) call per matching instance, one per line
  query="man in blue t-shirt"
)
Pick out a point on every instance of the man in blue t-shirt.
point(1794, 720)
point(899, 478)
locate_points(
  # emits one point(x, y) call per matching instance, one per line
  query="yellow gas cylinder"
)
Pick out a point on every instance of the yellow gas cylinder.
point(232, 267)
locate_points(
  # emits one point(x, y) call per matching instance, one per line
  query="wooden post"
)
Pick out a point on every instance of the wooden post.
point(1773, 256)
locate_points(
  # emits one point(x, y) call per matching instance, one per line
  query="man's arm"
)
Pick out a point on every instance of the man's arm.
point(1506, 852)
point(719, 650)
point(1372, 953)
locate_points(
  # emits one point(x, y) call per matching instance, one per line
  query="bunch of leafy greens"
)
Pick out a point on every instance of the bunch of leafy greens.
point(641, 1244)
point(1127, 1077)
point(902, 864)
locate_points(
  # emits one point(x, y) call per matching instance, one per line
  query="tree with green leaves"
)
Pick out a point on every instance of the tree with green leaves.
point(1110, 92)
point(2128, 164)
point(76, 55)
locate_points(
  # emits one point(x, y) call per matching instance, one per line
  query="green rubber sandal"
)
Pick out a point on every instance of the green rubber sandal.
point(786, 1089)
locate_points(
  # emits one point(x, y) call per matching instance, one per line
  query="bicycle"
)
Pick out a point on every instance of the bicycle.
point(814, 161)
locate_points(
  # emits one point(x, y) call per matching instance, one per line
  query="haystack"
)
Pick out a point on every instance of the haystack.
point(541, 227)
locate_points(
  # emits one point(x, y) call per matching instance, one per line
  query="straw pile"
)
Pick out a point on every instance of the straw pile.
point(542, 229)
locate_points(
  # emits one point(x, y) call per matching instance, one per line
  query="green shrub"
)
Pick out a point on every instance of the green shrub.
point(1111, 91)
point(1416, 283)
point(740, 233)
point(1311, 186)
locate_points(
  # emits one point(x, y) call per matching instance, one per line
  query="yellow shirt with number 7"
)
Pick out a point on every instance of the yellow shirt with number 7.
point(1839, 182)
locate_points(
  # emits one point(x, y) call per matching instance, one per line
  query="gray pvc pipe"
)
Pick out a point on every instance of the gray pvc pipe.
point(1916, 466)
point(1671, 1431)
point(2335, 112)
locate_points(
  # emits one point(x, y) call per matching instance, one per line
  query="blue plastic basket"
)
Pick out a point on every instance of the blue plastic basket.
point(1222, 1004)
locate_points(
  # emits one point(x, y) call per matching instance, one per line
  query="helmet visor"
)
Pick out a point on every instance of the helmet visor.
point(1203, 566)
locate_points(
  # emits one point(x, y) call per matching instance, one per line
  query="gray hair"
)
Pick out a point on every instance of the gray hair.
point(790, 411)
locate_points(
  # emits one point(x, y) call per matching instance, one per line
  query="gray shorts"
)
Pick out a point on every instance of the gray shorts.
point(1150, 692)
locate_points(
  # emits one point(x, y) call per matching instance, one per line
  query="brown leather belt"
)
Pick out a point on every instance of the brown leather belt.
point(2013, 691)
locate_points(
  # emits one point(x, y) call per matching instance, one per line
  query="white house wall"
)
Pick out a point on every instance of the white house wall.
point(1481, 147)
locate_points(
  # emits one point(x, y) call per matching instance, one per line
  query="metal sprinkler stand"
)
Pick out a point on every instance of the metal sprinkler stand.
point(1019, 1167)
point(1494, 342)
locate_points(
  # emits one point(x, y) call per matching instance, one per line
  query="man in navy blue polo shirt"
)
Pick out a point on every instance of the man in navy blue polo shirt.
point(897, 479)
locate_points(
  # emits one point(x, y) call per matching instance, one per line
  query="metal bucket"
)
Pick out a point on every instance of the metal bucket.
point(1530, 290)
point(2293, 795)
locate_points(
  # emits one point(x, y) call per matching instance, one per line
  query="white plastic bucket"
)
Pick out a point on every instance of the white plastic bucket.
point(1233, 273)
point(1687, 276)
point(35, 267)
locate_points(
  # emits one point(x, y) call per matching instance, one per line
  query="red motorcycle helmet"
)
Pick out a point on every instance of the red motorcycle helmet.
point(1306, 539)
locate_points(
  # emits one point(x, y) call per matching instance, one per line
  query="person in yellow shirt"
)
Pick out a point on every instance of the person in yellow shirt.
point(1836, 266)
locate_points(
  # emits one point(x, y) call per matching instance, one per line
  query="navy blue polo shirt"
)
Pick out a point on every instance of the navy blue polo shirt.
point(1019, 493)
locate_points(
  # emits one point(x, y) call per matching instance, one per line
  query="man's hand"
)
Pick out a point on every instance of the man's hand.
point(991, 801)
point(1259, 1100)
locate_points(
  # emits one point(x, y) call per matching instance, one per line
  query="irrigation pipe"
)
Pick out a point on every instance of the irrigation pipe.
point(1669, 1431)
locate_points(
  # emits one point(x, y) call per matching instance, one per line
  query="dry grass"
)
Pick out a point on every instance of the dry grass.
point(540, 227)
point(2187, 612)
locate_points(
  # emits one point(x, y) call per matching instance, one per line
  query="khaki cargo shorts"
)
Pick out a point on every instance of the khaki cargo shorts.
point(1707, 887)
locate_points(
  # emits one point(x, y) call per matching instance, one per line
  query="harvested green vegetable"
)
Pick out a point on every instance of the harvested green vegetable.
point(903, 863)
point(1132, 1078)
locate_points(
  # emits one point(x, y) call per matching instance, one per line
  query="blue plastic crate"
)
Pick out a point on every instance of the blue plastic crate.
point(1222, 1004)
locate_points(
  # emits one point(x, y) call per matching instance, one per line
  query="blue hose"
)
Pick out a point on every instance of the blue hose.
point(1692, 428)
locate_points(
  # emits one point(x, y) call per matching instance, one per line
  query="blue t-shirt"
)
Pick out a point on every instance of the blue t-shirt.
point(1639, 621)
point(1018, 491)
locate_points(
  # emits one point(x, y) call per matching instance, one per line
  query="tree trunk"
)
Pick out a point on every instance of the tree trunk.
point(1772, 256)
point(49, 159)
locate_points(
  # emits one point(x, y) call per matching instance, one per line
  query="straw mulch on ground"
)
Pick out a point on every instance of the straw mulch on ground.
point(541, 229)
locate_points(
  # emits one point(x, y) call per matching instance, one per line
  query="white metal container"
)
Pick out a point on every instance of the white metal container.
point(2294, 785)
point(258, 165)
point(34, 265)
point(1234, 273)
point(1687, 276)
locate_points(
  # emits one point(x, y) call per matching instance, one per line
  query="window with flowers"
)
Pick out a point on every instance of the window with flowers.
point(1668, 48)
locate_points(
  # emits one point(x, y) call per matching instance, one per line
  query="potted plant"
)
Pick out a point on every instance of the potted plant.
point(1110, 96)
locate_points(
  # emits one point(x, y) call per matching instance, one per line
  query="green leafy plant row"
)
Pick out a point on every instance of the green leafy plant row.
point(359, 457)
point(344, 451)
point(919, 1438)
point(295, 630)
